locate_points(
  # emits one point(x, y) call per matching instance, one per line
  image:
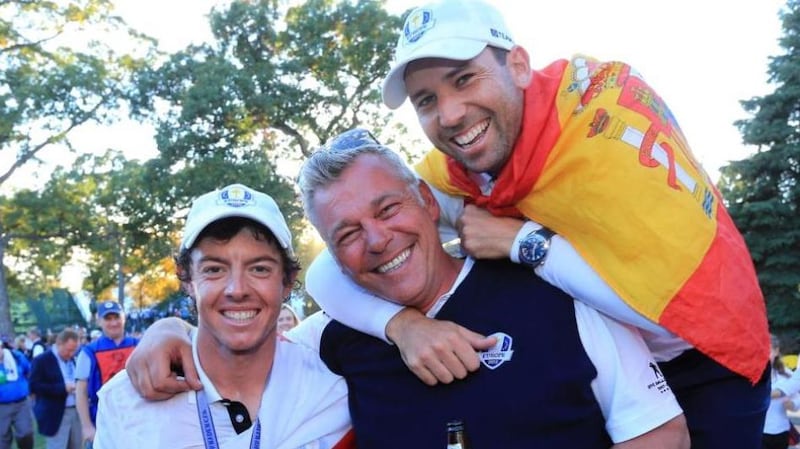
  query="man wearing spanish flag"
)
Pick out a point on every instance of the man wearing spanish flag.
point(579, 171)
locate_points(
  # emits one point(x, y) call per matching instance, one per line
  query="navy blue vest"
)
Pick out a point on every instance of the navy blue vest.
point(540, 398)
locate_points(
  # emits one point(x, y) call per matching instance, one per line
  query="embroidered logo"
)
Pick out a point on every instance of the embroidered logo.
point(499, 353)
point(236, 197)
point(417, 24)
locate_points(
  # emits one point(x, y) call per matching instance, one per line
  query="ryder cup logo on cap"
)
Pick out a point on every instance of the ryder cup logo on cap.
point(236, 200)
point(449, 29)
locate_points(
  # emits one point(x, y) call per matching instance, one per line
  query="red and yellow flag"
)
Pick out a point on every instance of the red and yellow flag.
point(601, 160)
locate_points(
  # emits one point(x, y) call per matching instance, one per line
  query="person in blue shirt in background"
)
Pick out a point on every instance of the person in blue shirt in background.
point(16, 415)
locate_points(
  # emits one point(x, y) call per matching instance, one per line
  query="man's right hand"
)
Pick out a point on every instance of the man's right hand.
point(87, 433)
point(165, 344)
point(436, 351)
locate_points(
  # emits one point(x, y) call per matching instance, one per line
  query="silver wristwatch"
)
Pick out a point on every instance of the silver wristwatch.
point(533, 247)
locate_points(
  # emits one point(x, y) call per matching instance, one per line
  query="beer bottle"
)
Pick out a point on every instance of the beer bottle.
point(456, 439)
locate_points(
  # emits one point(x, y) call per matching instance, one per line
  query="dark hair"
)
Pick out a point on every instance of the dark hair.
point(66, 335)
point(225, 229)
point(777, 362)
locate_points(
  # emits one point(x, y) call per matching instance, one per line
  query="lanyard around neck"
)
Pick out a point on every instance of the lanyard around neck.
point(207, 424)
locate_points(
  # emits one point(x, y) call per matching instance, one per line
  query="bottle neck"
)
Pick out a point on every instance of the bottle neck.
point(455, 440)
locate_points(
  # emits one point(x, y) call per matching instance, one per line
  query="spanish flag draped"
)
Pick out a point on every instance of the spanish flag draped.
point(601, 160)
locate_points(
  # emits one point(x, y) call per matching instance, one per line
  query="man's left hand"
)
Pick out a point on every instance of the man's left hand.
point(484, 236)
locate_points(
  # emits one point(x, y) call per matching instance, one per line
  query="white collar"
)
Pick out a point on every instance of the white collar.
point(465, 269)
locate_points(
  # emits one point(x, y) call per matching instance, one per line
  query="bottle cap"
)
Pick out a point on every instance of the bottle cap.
point(455, 425)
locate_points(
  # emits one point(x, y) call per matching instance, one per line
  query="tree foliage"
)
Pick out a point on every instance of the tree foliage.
point(278, 79)
point(763, 191)
point(55, 76)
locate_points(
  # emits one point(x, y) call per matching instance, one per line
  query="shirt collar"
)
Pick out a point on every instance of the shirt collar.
point(437, 306)
point(211, 391)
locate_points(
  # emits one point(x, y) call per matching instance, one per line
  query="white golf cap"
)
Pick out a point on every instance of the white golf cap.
point(236, 200)
point(451, 29)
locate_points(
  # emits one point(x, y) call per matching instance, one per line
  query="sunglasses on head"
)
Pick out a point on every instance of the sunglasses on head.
point(351, 140)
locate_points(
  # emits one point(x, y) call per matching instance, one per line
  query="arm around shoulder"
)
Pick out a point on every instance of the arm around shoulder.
point(345, 301)
point(164, 345)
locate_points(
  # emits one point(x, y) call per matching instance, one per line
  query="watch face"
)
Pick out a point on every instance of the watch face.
point(533, 249)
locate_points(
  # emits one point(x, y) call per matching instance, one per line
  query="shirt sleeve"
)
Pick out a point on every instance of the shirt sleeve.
point(567, 270)
point(345, 301)
point(82, 366)
point(789, 386)
point(450, 210)
point(109, 421)
point(309, 332)
point(630, 388)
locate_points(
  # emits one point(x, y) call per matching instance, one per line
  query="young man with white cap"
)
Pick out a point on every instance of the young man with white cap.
point(236, 262)
point(580, 172)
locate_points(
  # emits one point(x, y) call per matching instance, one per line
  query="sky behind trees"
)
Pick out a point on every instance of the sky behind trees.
point(703, 57)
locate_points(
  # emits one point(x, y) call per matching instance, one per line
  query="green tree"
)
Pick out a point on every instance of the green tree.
point(276, 78)
point(277, 81)
point(763, 192)
point(56, 75)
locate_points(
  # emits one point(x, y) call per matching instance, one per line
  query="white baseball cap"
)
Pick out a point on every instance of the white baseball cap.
point(449, 29)
point(236, 200)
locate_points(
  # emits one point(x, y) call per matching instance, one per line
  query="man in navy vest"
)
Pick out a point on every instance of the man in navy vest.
point(99, 361)
point(546, 382)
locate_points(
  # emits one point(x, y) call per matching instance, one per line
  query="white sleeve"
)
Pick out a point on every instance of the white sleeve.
point(567, 270)
point(110, 425)
point(345, 301)
point(789, 386)
point(309, 331)
point(629, 387)
point(450, 210)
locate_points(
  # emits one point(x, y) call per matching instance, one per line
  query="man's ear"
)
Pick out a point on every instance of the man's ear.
point(429, 201)
point(519, 64)
point(287, 289)
point(188, 288)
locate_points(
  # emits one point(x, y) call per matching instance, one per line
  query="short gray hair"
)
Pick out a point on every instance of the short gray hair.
point(325, 166)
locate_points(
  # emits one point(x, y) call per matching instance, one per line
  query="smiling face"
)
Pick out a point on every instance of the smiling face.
point(471, 110)
point(238, 285)
point(113, 325)
point(383, 234)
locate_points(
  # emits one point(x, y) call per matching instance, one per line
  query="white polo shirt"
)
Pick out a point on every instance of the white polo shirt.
point(303, 406)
